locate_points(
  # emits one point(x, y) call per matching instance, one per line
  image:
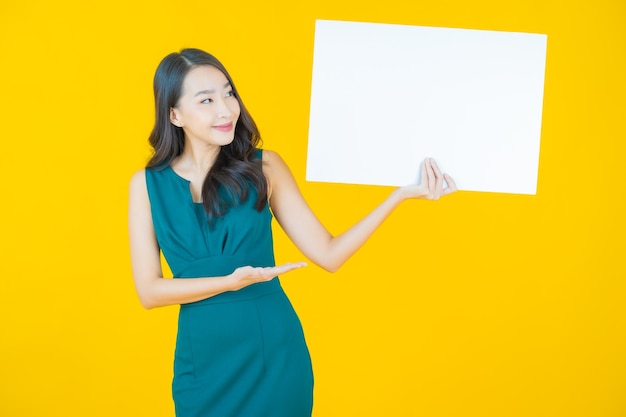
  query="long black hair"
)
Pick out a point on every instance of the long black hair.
point(237, 165)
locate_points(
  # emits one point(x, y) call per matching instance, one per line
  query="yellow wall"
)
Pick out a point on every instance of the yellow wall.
point(478, 305)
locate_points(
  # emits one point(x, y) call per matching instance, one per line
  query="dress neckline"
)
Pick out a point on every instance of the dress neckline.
point(169, 166)
point(177, 175)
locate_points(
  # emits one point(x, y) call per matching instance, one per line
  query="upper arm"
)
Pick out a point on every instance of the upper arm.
point(292, 211)
point(144, 249)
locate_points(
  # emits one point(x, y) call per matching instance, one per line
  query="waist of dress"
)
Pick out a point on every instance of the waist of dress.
point(250, 292)
point(216, 266)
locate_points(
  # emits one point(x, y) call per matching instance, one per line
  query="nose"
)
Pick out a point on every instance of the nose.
point(225, 111)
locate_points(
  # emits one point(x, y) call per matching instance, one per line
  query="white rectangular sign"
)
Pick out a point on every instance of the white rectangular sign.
point(384, 97)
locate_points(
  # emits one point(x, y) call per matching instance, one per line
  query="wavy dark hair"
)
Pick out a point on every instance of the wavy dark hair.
point(237, 165)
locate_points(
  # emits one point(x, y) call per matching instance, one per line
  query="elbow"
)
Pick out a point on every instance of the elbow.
point(147, 305)
point(332, 258)
point(330, 266)
point(148, 302)
point(327, 263)
point(149, 293)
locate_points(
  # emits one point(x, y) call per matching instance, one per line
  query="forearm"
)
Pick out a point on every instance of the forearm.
point(340, 248)
point(159, 292)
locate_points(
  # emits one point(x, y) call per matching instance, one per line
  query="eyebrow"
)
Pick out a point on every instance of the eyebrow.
point(210, 91)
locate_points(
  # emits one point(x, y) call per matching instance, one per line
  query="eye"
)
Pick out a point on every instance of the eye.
point(207, 100)
point(231, 93)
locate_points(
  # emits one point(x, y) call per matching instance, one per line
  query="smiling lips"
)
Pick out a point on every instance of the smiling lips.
point(226, 127)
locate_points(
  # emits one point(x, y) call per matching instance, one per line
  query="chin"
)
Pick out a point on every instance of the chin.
point(227, 141)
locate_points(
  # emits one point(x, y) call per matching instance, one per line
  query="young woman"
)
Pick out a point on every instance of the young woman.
point(206, 200)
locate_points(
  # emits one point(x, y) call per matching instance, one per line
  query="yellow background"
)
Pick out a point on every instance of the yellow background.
point(477, 305)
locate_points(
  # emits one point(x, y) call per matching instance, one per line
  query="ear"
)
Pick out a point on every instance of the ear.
point(174, 118)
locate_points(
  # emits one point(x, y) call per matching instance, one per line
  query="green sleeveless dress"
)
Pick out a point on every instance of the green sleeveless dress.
point(240, 353)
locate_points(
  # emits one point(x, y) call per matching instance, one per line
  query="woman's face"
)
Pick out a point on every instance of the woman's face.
point(207, 110)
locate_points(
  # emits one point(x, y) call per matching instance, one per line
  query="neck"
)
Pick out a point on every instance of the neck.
point(197, 159)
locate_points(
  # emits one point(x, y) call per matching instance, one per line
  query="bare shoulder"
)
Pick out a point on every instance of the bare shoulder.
point(275, 169)
point(139, 201)
point(270, 156)
point(272, 161)
point(269, 163)
point(138, 183)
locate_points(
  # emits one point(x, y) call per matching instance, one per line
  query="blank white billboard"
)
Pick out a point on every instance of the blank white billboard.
point(384, 97)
